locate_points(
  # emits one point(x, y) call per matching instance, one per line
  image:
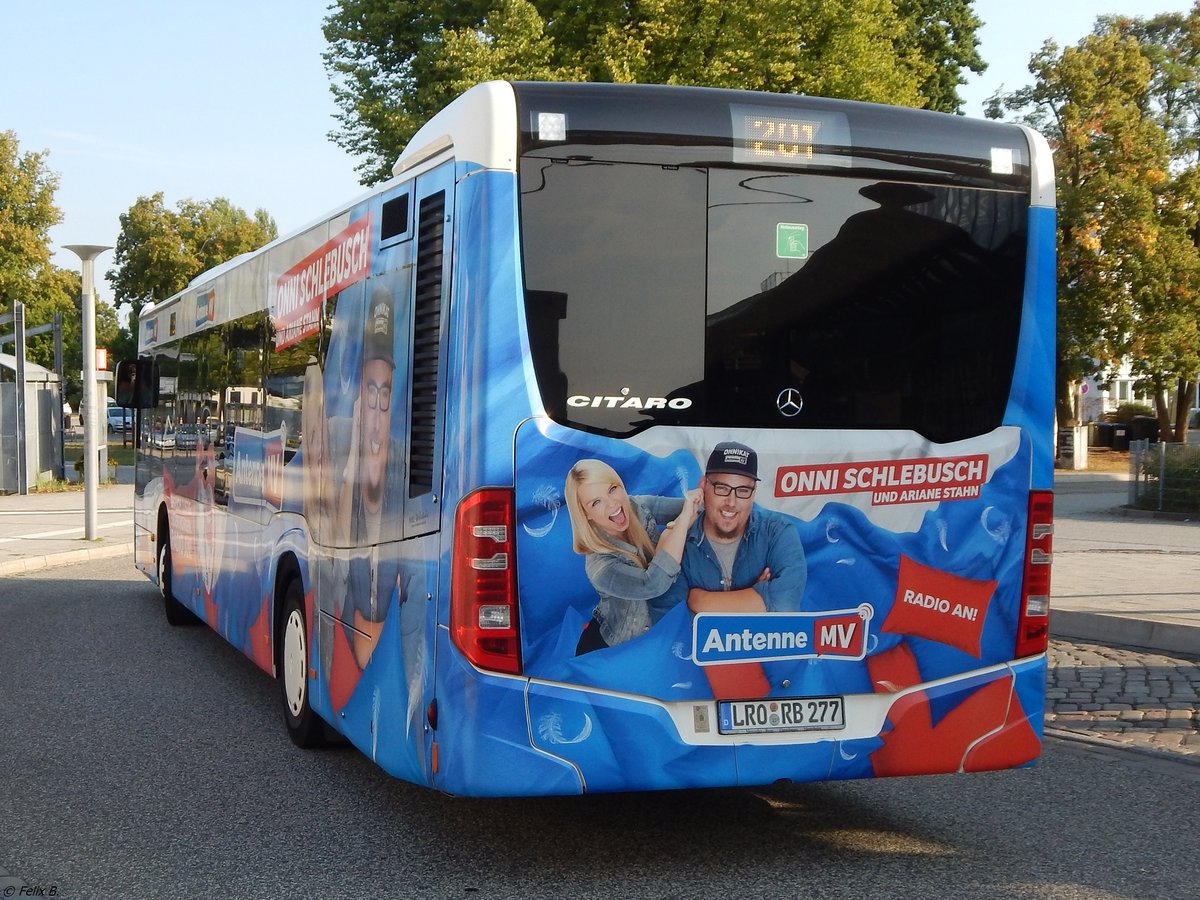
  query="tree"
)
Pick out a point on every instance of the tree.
point(838, 48)
point(159, 250)
point(1171, 43)
point(375, 61)
point(942, 32)
point(61, 291)
point(27, 213)
point(393, 64)
point(1128, 273)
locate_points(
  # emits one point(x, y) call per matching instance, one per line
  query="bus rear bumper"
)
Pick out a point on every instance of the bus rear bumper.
point(504, 735)
point(990, 718)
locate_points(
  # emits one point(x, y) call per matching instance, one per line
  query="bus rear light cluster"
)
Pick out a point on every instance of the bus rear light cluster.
point(483, 586)
point(1033, 626)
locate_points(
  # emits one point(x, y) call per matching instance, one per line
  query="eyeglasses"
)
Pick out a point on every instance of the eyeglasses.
point(379, 395)
point(721, 489)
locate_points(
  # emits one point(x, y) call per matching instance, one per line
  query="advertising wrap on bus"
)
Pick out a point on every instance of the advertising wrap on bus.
point(865, 591)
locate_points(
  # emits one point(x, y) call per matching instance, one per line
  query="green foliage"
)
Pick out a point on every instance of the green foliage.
point(393, 64)
point(1171, 479)
point(27, 213)
point(942, 32)
point(160, 250)
point(1171, 43)
point(1127, 412)
point(60, 291)
point(1117, 110)
point(55, 486)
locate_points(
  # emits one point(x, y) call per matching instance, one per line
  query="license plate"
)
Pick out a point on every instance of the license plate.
point(799, 714)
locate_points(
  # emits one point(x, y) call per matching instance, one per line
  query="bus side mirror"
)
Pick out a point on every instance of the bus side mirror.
point(136, 384)
point(125, 379)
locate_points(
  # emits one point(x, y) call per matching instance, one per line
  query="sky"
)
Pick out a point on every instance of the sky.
point(231, 99)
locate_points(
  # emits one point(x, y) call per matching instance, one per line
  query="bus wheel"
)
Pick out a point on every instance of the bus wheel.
point(304, 726)
point(177, 613)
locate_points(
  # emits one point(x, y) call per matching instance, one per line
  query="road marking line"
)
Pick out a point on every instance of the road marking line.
point(61, 532)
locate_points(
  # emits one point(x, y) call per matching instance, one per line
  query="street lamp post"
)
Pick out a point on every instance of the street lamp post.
point(87, 254)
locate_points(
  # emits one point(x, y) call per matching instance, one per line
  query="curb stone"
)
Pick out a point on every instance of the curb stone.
point(30, 564)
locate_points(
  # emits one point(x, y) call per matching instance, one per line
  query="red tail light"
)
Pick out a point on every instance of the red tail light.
point(483, 581)
point(1033, 626)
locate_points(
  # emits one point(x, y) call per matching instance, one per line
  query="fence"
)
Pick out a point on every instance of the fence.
point(1164, 477)
point(41, 441)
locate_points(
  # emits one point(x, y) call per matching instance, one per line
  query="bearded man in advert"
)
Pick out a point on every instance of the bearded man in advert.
point(740, 557)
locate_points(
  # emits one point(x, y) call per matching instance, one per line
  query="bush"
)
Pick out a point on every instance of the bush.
point(112, 468)
point(1127, 412)
point(1180, 480)
point(53, 486)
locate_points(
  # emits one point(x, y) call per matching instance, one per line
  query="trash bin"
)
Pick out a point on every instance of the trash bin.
point(1120, 436)
point(1144, 428)
point(1104, 435)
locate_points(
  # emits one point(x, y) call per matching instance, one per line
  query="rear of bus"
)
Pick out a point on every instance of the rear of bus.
point(854, 301)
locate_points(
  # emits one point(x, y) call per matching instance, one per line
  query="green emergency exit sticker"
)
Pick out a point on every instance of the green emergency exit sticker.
point(791, 241)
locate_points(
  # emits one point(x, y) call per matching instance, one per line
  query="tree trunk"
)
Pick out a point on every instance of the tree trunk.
point(1064, 400)
point(1162, 408)
point(1185, 390)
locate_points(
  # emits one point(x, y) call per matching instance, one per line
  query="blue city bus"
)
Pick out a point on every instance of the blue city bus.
point(630, 437)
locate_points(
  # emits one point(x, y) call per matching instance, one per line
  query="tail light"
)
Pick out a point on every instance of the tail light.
point(1033, 626)
point(483, 581)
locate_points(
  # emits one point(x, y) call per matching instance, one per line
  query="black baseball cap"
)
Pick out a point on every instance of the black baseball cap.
point(378, 339)
point(732, 458)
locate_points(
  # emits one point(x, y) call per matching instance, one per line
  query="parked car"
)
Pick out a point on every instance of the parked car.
point(163, 438)
point(186, 437)
point(119, 420)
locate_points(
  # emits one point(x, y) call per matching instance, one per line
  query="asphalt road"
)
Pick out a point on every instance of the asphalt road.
point(144, 761)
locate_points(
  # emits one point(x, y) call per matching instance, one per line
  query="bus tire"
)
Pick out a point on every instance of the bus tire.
point(177, 613)
point(304, 726)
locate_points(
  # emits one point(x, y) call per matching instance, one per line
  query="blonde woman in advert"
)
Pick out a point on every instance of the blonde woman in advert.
point(630, 558)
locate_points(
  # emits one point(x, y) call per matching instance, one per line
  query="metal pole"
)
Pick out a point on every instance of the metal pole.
point(87, 254)
point(22, 434)
point(1135, 472)
point(60, 471)
point(1162, 471)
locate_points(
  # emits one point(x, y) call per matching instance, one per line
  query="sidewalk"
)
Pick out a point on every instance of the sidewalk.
point(1122, 576)
point(38, 531)
point(1119, 577)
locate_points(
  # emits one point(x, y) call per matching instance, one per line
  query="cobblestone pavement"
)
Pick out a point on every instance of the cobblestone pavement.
point(1140, 698)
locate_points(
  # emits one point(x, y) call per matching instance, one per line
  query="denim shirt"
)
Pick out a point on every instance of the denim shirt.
point(623, 585)
point(769, 541)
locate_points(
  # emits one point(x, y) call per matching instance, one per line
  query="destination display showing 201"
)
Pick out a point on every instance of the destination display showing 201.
point(779, 137)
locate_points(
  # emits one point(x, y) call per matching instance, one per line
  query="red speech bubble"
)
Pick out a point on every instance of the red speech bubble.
point(939, 606)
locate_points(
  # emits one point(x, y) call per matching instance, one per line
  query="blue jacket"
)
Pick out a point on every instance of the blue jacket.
point(624, 586)
point(769, 541)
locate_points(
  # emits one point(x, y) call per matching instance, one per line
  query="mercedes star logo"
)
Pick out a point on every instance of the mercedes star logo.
point(789, 402)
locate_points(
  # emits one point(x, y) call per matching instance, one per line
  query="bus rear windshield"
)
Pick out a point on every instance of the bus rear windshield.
point(736, 297)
